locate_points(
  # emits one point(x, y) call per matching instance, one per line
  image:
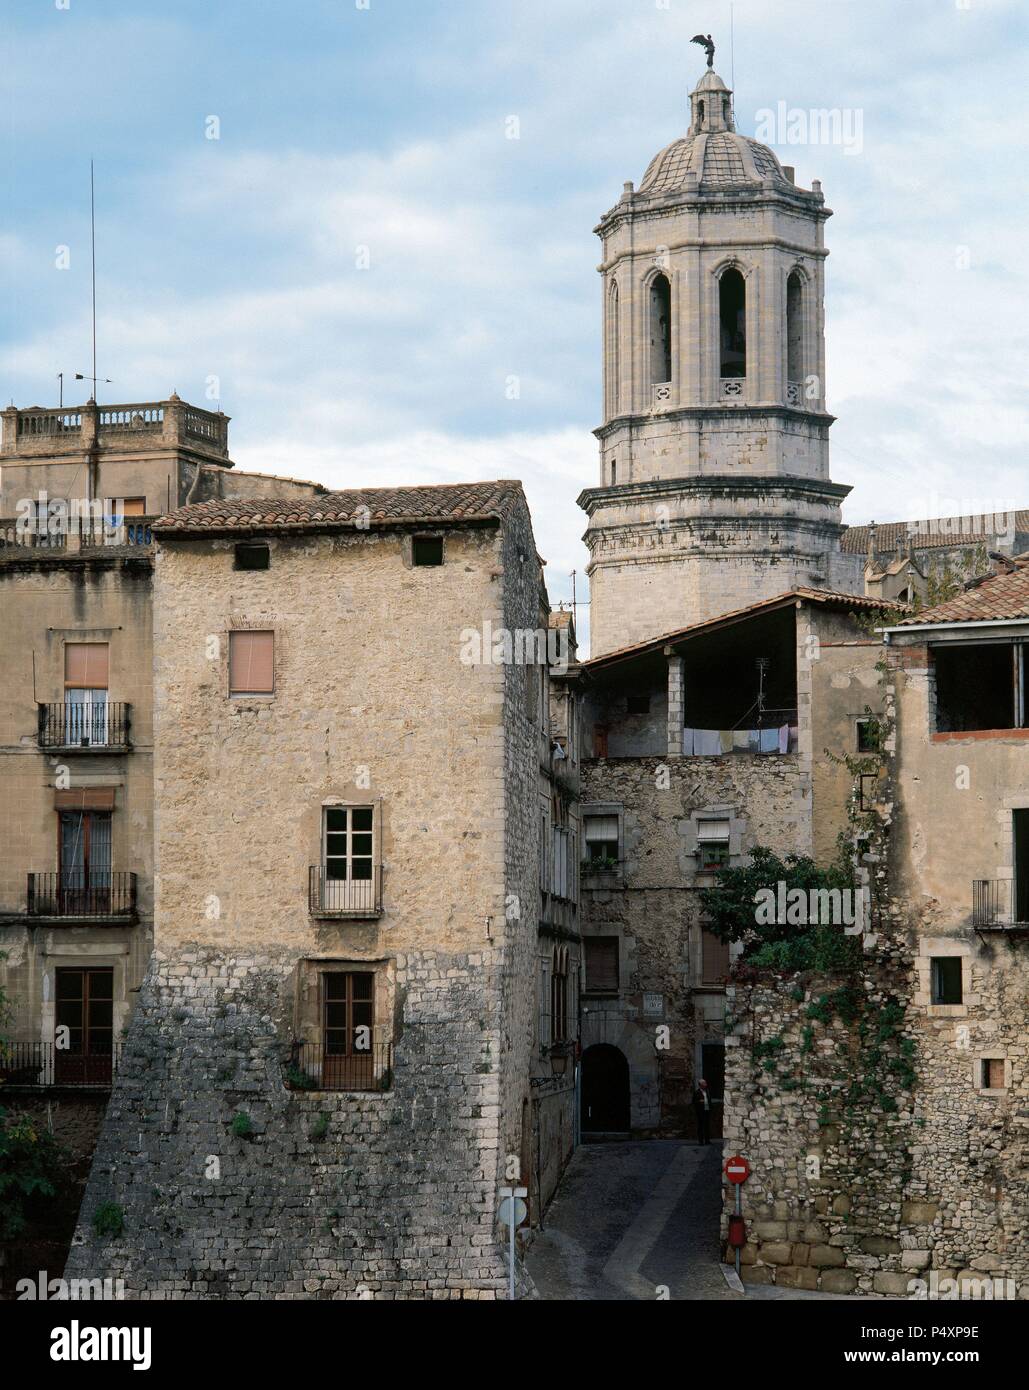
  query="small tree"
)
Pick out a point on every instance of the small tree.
point(731, 906)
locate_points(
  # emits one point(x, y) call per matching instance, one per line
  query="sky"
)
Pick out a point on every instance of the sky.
point(363, 228)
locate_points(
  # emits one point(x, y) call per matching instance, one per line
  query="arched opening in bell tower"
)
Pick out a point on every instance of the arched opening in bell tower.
point(794, 328)
point(660, 330)
point(732, 308)
point(613, 369)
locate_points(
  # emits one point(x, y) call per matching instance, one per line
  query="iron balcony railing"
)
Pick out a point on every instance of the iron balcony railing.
point(96, 893)
point(997, 903)
point(45, 1064)
point(98, 725)
point(313, 1067)
point(344, 897)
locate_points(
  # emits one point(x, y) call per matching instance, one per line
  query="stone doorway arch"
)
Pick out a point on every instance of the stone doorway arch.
point(605, 1090)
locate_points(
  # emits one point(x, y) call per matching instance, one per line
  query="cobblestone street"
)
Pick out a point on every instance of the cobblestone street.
point(630, 1218)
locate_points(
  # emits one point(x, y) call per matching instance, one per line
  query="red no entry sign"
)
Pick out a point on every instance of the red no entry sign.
point(737, 1169)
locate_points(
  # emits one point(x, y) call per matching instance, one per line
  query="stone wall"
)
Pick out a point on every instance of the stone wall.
point(379, 1195)
point(866, 1198)
point(372, 705)
point(652, 906)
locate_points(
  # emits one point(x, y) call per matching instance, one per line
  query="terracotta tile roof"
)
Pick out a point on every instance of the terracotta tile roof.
point(829, 597)
point(993, 598)
point(441, 504)
point(927, 534)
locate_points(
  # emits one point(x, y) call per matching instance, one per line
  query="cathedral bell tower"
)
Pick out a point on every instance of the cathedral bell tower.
point(714, 452)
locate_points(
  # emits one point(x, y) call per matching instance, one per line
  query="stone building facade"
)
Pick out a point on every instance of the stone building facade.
point(914, 1187)
point(349, 836)
point(79, 491)
point(706, 743)
point(714, 488)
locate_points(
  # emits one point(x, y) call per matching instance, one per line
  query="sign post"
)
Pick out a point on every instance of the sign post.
point(513, 1212)
point(737, 1171)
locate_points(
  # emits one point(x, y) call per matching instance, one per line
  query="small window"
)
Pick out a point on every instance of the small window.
point(946, 980)
point(601, 836)
point(427, 550)
point(712, 845)
point(251, 663)
point(638, 704)
point(993, 1073)
point(118, 508)
point(867, 736)
point(252, 557)
point(601, 955)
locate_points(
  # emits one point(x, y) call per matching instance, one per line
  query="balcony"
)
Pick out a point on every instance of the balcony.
point(117, 428)
point(344, 897)
point(37, 1065)
point(100, 727)
point(602, 873)
point(77, 896)
point(999, 906)
point(314, 1068)
point(73, 532)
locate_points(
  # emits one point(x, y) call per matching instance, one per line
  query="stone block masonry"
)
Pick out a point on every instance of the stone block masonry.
point(395, 1200)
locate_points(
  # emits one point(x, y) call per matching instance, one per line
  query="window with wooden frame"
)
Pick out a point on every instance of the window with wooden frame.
point(993, 1074)
point(86, 678)
point(251, 662)
point(601, 840)
point(601, 957)
point(350, 1052)
point(712, 845)
point(559, 995)
point(349, 859)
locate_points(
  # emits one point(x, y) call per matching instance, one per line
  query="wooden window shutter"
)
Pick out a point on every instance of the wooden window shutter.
point(714, 959)
point(251, 663)
point(133, 506)
point(602, 964)
point(86, 665)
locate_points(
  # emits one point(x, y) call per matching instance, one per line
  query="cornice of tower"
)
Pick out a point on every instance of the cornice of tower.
point(714, 484)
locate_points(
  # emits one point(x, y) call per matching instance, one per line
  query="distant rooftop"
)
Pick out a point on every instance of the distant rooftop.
point(933, 533)
point(993, 598)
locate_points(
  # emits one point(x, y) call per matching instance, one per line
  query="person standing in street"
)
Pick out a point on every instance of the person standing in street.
point(702, 1106)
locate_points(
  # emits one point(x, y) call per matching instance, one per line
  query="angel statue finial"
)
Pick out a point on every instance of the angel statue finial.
point(708, 44)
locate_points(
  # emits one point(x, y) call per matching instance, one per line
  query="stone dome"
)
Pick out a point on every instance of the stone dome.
point(723, 159)
point(712, 148)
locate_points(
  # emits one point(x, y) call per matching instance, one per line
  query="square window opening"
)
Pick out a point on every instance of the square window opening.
point(427, 550)
point(251, 557)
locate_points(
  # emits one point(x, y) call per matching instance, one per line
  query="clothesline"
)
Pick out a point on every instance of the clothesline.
point(716, 743)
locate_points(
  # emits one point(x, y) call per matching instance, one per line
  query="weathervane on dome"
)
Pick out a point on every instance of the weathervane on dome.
point(708, 44)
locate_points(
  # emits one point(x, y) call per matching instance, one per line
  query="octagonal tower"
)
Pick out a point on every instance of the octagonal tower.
point(714, 484)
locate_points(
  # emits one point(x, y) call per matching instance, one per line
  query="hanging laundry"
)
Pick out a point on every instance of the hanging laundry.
point(784, 739)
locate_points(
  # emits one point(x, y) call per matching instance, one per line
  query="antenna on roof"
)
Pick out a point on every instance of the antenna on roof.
point(81, 376)
point(732, 64)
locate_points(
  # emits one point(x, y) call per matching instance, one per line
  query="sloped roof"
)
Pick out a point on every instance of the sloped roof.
point(828, 597)
point(440, 504)
point(994, 598)
point(929, 533)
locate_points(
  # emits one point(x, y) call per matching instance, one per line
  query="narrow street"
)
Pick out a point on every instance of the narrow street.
point(631, 1219)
